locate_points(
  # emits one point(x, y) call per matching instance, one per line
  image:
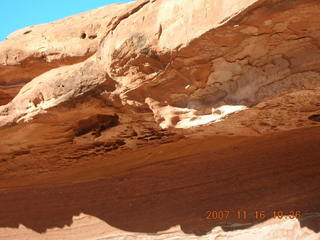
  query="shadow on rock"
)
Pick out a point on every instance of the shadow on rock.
point(273, 173)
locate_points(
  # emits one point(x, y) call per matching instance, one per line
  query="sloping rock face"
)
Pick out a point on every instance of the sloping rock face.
point(133, 121)
point(35, 50)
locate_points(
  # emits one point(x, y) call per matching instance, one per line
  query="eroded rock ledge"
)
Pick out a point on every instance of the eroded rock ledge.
point(137, 77)
point(223, 61)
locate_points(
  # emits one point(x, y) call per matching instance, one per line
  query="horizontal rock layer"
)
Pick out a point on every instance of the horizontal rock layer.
point(116, 102)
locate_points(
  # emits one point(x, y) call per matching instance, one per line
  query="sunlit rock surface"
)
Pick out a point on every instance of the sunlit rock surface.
point(132, 121)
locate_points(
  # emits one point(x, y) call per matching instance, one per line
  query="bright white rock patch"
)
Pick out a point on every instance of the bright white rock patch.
point(169, 116)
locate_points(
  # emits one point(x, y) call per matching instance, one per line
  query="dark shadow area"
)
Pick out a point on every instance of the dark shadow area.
point(314, 117)
point(274, 173)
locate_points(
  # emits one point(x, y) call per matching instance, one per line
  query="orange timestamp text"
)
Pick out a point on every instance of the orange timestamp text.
point(257, 214)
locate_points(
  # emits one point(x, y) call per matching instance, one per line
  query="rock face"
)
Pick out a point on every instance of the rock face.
point(177, 108)
point(35, 50)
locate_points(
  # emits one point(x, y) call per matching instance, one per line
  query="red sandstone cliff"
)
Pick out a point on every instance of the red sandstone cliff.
point(134, 120)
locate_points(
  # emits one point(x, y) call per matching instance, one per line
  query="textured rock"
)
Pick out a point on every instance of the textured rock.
point(261, 57)
point(34, 50)
point(144, 116)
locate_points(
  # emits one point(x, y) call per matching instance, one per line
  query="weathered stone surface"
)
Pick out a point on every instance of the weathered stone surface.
point(34, 50)
point(259, 58)
point(145, 116)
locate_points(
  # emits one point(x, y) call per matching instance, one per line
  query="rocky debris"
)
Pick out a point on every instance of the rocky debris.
point(187, 81)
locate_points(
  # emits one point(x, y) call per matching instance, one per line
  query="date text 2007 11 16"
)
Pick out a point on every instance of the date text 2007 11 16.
point(258, 214)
